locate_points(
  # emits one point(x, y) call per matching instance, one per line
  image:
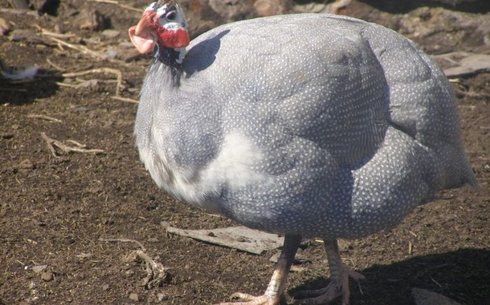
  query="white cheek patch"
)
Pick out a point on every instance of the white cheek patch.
point(172, 26)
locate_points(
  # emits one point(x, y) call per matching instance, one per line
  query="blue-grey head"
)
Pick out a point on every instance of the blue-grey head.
point(163, 25)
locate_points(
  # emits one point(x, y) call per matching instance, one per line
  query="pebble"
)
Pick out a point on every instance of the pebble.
point(111, 34)
point(4, 27)
point(39, 268)
point(134, 296)
point(47, 276)
point(105, 287)
point(26, 164)
point(271, 7)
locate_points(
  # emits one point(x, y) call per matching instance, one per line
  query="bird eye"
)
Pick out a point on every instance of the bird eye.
point(171, 15)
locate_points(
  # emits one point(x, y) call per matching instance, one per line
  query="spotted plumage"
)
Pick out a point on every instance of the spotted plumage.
point(305, 125)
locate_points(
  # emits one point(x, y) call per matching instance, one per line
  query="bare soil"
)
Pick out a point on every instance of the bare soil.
point(58, 211)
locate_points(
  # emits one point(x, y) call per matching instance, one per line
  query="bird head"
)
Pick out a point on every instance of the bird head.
point(162, 24)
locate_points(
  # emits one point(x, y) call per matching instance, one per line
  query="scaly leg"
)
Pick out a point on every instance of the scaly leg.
point(277, 284)
point(339, 280)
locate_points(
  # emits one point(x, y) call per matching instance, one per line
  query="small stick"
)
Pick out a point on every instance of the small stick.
point(52, 143)
point(20, 12)
point(44, 117)
point(66, 85)
point(437, 283)
point(123, 240)
point(53, 34)
point(155, 272)
point(77, 143)
point(54, 65)
point(125, 99)
point(119, 4)
point(100, 70)
point(79, 48)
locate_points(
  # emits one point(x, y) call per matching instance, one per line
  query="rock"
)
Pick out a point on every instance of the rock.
point(20, 4)
point(26, 164)
point(4, 27)
point(111, 53)
point(458, 64)
point(49, 7)
point(440, 30)
point(426, 297)
point(92, 20)
point(21, 34)
point(39, 268)
point(47, 276)
point(134, 297)
point(105, 287)
point(111, 34)
point(272, 7)
point(231, 10)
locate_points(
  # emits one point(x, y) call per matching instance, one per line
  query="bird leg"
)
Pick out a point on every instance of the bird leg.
point(339, 280)
point(277, 284)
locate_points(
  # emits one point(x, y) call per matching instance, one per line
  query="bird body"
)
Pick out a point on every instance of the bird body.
point(305, 125)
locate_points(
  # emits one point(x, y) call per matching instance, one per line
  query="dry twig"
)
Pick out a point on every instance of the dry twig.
point(54, 65)
point(80, 48)
point(19, 12)
point(124, 240)
point(53, 34)
point(99, 70)
point(156, 273)
point(44, 117)
point(53, 144)
point(125, 99)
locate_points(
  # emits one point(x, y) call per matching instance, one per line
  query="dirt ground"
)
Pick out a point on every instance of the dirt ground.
point(57, 213)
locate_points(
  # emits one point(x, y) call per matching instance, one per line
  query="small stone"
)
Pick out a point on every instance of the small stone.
point(111, 34)
point(26, 164)
point(47, 276)
point(105, 287)
point(4, 27)
point(21, 34)
point(39, 268)
point(134, 297)
point(111, 53)
point(161, 297)
point(271, 7)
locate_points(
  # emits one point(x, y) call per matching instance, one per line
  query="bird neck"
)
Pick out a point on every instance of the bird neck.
point(170, 60)
point(172, 57)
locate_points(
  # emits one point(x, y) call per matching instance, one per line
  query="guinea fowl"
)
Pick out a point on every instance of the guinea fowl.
point(306, 125)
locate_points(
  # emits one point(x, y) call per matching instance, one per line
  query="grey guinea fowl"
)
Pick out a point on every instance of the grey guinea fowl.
point(305, 125)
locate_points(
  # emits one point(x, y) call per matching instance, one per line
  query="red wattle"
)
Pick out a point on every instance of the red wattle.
point(173, 38)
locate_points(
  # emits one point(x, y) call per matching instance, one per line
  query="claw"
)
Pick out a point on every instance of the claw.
point(247, 299)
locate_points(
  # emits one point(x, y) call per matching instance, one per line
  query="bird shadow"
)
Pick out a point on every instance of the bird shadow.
point(43, 85)
point(203, 54)
point(462, 275)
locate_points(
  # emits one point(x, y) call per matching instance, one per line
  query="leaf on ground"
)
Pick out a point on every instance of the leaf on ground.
point(241, 238)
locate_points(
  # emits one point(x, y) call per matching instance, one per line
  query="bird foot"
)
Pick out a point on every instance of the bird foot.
point(336, 288)
point(247, 299)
